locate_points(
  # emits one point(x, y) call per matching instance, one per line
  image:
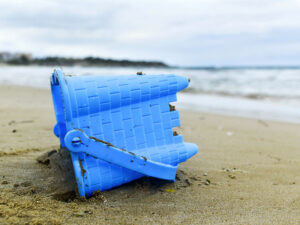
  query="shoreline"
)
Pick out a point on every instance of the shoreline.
point(236, 106)
point(277, 111)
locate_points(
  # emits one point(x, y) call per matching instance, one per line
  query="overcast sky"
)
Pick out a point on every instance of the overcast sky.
point(188, 33)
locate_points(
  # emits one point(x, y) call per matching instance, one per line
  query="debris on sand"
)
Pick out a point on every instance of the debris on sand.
point(231, 176)
point(22, 121)
point(98, 195)
point(233, 170)
point(79, 214)
point(170, 190)
point(4, 182)
point(262, 122)
point(188, 182)
point(207, 182)
point(88, 211)
point(225, 169)
point(195, 178)
point(26, 184)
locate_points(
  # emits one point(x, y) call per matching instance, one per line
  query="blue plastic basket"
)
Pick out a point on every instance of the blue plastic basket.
point(119, 128)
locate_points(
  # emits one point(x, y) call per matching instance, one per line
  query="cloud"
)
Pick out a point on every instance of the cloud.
point(190, 32)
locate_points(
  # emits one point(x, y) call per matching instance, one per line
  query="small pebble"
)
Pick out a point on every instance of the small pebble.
point(188, 182)
point(4, 182)
point(207, 182)
point(88, 212)
point(229, 133)
point(194, 178)
point(225, 169)
point(26, 184)
point(231, 176)
point(205, 174)
point(78, 214)
point(14, 130)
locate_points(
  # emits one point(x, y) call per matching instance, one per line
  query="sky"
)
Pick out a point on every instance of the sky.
point(183, 33)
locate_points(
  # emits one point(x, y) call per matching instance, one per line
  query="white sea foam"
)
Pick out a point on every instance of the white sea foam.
point(286, 111)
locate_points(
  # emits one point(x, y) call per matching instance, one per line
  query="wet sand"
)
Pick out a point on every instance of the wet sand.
point(246, 172)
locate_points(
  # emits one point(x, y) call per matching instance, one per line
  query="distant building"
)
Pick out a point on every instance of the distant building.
point(7, 56)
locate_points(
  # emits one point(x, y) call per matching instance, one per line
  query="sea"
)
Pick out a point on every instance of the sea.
point(270, 93)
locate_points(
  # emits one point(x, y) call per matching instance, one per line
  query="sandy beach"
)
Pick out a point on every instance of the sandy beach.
point(246, 172)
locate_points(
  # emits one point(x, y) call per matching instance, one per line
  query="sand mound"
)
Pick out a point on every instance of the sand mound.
point(58, 165)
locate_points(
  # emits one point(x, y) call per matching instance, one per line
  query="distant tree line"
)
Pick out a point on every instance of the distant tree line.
point(88, 61)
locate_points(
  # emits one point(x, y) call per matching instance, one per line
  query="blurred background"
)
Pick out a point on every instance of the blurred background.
point(242, 55)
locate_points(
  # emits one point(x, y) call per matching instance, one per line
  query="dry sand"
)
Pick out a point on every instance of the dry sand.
point(246, 172)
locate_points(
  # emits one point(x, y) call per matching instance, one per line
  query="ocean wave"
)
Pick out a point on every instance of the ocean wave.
point(251, 83)
point(259, 96)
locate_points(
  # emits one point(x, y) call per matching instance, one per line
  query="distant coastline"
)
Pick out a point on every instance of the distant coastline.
point(26, 59)
point(7, 58)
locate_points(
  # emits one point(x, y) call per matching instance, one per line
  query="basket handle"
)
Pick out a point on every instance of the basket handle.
point(77, 141)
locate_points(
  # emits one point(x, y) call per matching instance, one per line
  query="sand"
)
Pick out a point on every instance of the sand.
point(246, 172)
